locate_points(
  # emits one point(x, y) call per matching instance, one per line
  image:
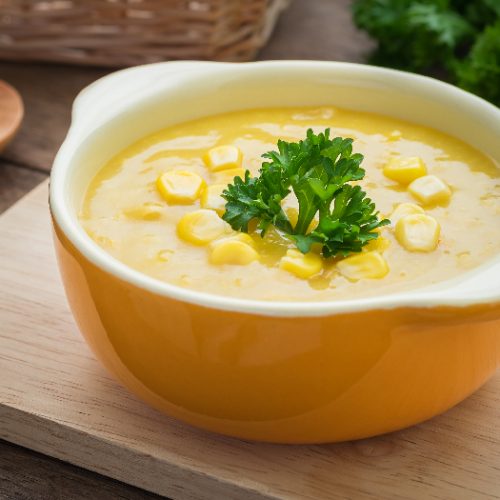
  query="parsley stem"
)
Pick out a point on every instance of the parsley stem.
point(304, 220)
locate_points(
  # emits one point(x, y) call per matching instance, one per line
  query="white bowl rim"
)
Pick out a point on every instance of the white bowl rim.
point(428, 297)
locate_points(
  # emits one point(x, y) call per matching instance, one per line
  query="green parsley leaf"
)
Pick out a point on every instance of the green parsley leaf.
point(256, 198)
point(412, 35)
point(456, 40)
point(480, 71)
point(318, 171)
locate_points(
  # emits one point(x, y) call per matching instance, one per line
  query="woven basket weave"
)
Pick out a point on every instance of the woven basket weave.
point(128, 32)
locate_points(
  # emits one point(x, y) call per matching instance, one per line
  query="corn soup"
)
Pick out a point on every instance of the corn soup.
point(157, 207)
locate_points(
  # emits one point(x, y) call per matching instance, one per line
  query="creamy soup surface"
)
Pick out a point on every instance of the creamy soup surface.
point(148, 241)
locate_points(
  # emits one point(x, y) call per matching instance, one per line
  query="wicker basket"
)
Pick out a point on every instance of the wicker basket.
point(128, 32)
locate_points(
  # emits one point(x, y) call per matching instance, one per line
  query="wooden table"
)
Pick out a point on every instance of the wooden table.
point(310, 29)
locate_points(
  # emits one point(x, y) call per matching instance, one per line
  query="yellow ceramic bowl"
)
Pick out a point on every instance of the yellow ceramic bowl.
point(281, 372)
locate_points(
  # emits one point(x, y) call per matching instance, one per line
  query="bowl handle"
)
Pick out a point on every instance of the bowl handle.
point(106, 95)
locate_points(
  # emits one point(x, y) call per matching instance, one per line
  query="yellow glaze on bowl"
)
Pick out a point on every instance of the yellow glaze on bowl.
point(288, 380)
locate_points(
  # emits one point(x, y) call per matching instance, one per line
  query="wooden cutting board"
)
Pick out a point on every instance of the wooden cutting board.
point(56, 399)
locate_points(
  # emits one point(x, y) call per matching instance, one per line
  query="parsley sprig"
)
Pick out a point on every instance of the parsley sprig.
point(318, 170)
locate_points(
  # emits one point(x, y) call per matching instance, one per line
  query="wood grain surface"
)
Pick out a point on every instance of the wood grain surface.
point(47, 91)
point(56, 399)
point(15, 182)
point(26, 475)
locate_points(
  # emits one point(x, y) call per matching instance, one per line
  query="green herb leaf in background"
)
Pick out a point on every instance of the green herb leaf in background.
point(455, 39)
point(480, 71)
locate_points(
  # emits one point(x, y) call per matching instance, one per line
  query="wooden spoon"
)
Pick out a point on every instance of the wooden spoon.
point(11, 113)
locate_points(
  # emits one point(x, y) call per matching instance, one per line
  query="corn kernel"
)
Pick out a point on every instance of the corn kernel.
point(243, 237)
point(212, 199)
point(418, 232)
point(302, 265)
point(146, 211)
point(201, 227)
point(227, 176)
point(430, 190)
point(405, 170)
point(180, 186)
point(232, 251)
point(367, 265)
point(293, 215)
point(380, 245)
point(405, 209)
point(223, 158)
